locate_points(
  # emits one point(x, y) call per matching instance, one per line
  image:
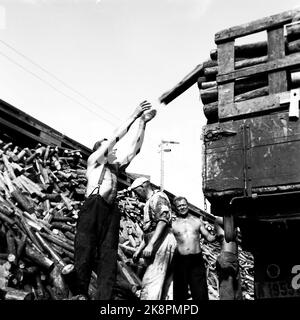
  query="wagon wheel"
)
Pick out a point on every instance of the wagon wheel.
point(229, 228)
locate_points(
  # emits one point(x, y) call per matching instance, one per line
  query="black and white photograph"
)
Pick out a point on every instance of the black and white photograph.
point(149, 156)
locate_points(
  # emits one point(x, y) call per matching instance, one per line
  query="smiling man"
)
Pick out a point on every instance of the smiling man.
point(97, 234)
point(189, 268)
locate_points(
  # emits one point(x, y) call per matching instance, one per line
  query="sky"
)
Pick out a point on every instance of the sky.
point(82, 67)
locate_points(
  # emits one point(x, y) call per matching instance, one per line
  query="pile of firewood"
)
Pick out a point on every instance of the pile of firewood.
point(248, 87)
point(41, 191)
point(246, 262)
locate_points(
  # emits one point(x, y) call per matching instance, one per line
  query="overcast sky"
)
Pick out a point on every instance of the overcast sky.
point(81, 66)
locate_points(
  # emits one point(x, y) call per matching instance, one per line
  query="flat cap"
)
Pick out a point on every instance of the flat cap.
point(138, 182)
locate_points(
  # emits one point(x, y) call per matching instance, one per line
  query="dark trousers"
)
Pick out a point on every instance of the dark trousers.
point(189, 271)
point(97, 237)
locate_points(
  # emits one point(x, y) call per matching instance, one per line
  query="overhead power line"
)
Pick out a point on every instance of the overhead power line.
point(57, 79)
point(54, 88)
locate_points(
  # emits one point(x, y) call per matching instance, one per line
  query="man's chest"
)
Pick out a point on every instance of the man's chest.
point(184, 227)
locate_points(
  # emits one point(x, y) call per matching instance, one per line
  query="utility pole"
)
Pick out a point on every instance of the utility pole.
point(162, 149)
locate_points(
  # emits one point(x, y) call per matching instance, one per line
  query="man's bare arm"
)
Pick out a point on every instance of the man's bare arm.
point(100, 154)
point(161, 225)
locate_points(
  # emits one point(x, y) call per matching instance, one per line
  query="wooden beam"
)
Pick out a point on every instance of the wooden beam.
point(255, 26)
point(182, 86)
point(260, 104)
point(292, 60)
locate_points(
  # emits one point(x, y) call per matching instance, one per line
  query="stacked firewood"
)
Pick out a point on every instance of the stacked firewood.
point(246, 262)
point(247, 87)
point(41, 191)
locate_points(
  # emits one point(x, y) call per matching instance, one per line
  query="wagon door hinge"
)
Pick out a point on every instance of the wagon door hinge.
point(217, 133)
point(246, 160)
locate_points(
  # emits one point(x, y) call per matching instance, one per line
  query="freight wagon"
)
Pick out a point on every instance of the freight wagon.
point(251, 144)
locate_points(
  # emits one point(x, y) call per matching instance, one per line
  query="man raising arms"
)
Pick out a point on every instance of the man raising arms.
point(99, 218)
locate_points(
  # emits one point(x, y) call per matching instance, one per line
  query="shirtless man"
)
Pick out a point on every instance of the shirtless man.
point(98, 224)
point(227, 266)
point(189, 268)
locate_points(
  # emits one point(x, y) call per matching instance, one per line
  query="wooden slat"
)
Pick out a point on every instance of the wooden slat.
point(276, 50)
point(182, 86)
point(225, 65)
point(260, 104)
point(287, 62)
point(255, 26)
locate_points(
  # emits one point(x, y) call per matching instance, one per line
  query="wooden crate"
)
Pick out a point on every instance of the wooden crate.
point(277, 66)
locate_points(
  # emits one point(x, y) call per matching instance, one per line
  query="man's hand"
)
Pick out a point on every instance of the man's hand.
point(143, 106)
point(147, 253)
point(148, 115)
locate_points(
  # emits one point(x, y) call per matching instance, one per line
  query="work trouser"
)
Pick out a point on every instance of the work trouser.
point(227, 267)
point(189, 272)
point(155, 275)
point(97, 235)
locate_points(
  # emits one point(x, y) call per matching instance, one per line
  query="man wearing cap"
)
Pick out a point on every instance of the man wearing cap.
point(98, 223)
point(159, 243)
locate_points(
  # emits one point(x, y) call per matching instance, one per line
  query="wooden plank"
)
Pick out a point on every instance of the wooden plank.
point(182, 86)
point(289, 61)
point(50, 139)
point(225, 65)
point(256, 105)
point(255, 26)
point(276, 50)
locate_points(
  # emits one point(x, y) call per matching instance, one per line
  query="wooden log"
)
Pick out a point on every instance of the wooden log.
point(182, 86)
point(211, 72)
point(293, 46)
point(252, 94)
point(21, 245)
point(62, 226)
point(22, 154)
point(38, 257)
point(22, 200)
point(208, 84)
point(48, 248)
point(11, 245)
point(29, 233)
point(53, 197)
point(57, 241)
point(293, 32)
point(63, 219)
point(18, 170)
point(243, 85)
point(6, 219)
point(6, 210)
point(70, 235)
